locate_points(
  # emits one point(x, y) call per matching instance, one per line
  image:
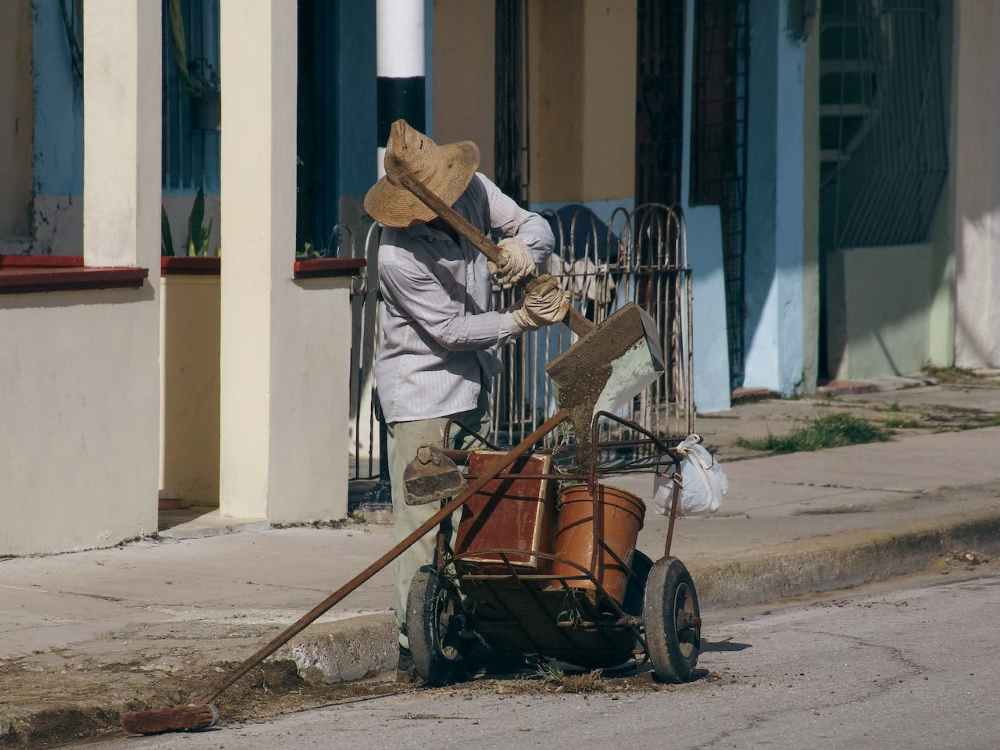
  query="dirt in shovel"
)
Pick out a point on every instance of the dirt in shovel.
point(580, 395)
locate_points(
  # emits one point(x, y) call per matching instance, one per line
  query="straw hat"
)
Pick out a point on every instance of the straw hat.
point(446, 170)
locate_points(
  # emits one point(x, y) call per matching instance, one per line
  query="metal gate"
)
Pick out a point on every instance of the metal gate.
point(640, 256)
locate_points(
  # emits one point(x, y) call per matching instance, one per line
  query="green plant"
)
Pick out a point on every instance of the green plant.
point(166, 238)
point(549, 671)
point(830, 431)
point(307, 251)
point(199, 233)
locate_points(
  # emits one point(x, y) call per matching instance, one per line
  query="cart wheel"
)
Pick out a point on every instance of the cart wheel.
point(672, 620)
point(433, 621)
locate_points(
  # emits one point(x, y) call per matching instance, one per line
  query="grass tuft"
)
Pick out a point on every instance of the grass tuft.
point(952, 374)
point(831, 431)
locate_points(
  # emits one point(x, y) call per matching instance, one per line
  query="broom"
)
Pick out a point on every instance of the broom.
point(203, 714)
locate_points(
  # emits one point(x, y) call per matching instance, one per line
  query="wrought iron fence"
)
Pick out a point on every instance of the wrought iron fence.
point(638, 256)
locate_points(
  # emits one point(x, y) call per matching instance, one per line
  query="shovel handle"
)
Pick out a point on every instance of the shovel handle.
point(474, 486)
point(577, 323)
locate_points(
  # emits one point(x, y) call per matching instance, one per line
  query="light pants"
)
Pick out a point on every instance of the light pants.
point(404, 440)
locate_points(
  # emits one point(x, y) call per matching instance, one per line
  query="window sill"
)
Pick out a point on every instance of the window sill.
point(190, 266)
point(53, 273)
point(320, 267)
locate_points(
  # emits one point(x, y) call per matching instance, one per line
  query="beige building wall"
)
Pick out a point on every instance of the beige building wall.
point(581, 88)
point(609, 65)
point(463, 75)
point(80, 396)
point(555, 75)
point(582, 70)
point(976, 167)
point(78, 452)
point(189, 388)
point(16, 118)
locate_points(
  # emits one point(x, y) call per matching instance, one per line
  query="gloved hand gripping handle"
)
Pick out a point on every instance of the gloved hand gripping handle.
point(577, 323)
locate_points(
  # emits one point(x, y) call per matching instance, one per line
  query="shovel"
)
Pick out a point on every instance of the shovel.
point(607, 366)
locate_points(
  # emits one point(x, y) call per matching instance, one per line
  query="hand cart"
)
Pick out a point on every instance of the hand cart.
point(601, 607)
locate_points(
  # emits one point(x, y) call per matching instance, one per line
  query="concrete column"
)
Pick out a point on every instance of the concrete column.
point(776, 215)
point(284, 343)
point(976, 165)
point(121, 130)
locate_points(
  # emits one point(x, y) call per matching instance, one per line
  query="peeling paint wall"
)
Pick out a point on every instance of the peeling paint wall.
point(58, 148)
point(582, 77)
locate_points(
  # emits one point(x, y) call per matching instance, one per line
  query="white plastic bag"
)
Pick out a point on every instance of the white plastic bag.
point(704, 482)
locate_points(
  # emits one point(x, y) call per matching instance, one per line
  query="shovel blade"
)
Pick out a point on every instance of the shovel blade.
point(627, 343)
point(431, 477)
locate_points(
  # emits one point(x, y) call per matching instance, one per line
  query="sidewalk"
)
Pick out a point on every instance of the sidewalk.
point(86, 634)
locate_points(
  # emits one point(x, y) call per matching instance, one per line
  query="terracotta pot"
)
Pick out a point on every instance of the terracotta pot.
point(623, 515)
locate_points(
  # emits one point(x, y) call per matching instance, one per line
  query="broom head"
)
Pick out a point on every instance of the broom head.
point(177, 719)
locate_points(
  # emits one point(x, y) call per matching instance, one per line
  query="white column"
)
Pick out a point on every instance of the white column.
point(976, 172)
point(109, 422)
point(284, 343)
point(121, 133)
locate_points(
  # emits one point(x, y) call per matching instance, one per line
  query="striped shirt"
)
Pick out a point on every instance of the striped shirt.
point(438, 338)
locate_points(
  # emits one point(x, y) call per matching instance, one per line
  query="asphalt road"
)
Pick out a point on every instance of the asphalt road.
point(908, 669)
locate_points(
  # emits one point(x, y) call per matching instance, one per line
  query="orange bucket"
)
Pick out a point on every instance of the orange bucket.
point(574, 539)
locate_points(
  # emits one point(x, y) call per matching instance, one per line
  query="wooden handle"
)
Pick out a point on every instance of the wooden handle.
point(577, 323)
point(489, 473)
point(457, 222)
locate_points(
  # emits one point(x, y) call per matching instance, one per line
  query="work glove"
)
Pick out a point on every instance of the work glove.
point(515, 263)
point(544, 304)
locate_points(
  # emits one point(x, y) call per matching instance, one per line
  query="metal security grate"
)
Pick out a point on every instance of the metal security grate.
point(318, 127)
point(659, 102)
point(719, 145)
point(883, 135)
point(190, 149)
point(511, 129)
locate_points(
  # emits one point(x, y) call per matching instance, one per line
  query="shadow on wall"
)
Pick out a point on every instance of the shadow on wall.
point(879, 307)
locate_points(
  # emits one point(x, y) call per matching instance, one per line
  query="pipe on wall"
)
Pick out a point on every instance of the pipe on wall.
point(401, 65)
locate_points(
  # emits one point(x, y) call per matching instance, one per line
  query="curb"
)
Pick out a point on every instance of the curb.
point(845, 561)
point(362, 649)
point(365, 647)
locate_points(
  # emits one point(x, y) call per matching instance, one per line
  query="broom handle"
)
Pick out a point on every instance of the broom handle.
point(337, 596)
point(577, 323)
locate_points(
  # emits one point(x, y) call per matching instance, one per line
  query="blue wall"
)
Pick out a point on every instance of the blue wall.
point(58, 143)
point(775, 203)
point(191, 156)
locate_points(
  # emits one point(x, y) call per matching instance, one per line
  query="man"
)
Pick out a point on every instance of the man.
point(438, 334)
